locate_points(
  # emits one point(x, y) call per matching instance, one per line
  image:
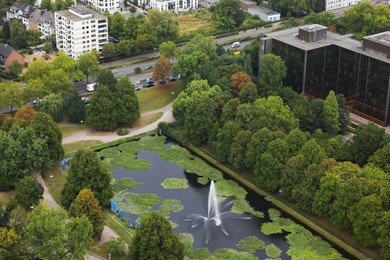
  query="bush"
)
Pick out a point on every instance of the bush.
point(137, 70)
point(133, 9)
point(26, 64)
point(116, 247)
point(30, 52)
point(122, 132)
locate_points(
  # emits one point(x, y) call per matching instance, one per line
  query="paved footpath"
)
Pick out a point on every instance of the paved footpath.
point(87, 133)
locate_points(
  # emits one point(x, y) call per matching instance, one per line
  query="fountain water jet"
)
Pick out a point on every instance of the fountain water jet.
point(214, 216)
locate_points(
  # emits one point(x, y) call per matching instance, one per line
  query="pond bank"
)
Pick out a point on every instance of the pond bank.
point(279, 204)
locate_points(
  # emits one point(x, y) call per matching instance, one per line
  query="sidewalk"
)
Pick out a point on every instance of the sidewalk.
point(86, 134)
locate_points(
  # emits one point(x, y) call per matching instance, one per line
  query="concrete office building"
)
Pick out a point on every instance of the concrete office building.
point(80, 30)
point(103, 6)
point(318, 61)
point(336, 4)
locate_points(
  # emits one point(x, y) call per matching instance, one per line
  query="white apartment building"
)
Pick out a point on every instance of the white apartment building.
point(174, 5)
point(336, 4)
point(103, 6)
point(80, 30)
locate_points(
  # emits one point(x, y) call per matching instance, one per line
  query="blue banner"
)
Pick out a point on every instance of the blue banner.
point(113, 206)
point(129, 221)
point(121, 213)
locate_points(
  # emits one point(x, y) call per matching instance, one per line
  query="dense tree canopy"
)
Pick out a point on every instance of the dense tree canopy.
point(271, 74)
point(155, 239)
point(22, 153)
point(87, 205)
point(50, 235)
point(45, 127)
point(86, 171)
point(28, 191)
point(228, 14)
point(126, 102)
point(330, 114)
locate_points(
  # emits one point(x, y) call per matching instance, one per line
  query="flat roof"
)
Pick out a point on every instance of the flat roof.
point(82, 10)
point(382, 38)
point(290, 36)
point(313, 27)
point(264, 10)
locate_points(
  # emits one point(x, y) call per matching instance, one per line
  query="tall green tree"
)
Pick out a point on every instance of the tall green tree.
point(366, 141)
point(87, 205)
point(33, 37)
point(204, 44)
point(239, 147)
point(74, 107)
point(86, 171)
point(229, 110)
point(312, 152)
point(228, 14)
point(101, 112)
point(18, 34)
point(107, 79)
point(89, 64)
point(225, 139)
point(330, 114)
point(68, 64)
point(292, 175)
point(168, 49)
point(304, 190)
point(364, 19)
point(271, 73)
point(45, 127)
point(364, 217)
point(50, 235)
point(296, 139)
point(155, 239)
point(384, 234)
point(326, 19)
point(245, 115)
point(22, 152)
point(273, 114)
point(146, 35)
point(58, 82)
point(196, 125)
point(11, 95)
point(188, 66)
point(109, 50)
point(126, 102)
point(381, 158)
point(52, 105)
point(165, 23)
point(249, 93)
point(257, 146)
point(28, 191)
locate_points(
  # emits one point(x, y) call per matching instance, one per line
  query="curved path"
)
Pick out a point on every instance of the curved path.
point(87, 133)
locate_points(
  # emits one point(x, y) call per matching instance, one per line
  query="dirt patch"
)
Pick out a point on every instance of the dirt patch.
point(5, 196)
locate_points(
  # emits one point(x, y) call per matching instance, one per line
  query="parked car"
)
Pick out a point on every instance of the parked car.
point(236, 44)
point(172, 79)
point(148, 67)
point(85, 100)
point(137, 88)
point(149, 83)
point(114, 71)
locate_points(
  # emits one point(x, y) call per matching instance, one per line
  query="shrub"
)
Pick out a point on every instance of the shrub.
point(137, 70)
point(116, 247)
point(122, 132)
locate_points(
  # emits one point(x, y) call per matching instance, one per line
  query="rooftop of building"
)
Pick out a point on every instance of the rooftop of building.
point(290, 36)
point(382, 38)
point(312, 27)
point(42, 15)
point(264, 10)
point(82, 10)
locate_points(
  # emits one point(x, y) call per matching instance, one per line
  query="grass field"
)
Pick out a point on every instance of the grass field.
point(72, 147)
point(55, 184)
point(69, 130)
point(191, 22)
point(158, 97)
point(146, 120)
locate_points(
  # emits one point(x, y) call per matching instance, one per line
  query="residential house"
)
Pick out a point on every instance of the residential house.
point(9, 55)
point(21, 12)
point(42, 20)
point(174, 5)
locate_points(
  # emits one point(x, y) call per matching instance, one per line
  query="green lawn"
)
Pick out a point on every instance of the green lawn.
point(73, 147)
point(55, 184)
point(158, 97)
point(146, 120)
point(69, 130)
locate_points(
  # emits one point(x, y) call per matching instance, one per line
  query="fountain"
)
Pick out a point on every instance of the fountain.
point(214, 216)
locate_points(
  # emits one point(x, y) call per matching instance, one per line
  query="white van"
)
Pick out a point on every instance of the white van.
point(236, 44)
point(91, 87)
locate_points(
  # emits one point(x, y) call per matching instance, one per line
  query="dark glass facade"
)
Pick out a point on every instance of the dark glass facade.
point(363, 80)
